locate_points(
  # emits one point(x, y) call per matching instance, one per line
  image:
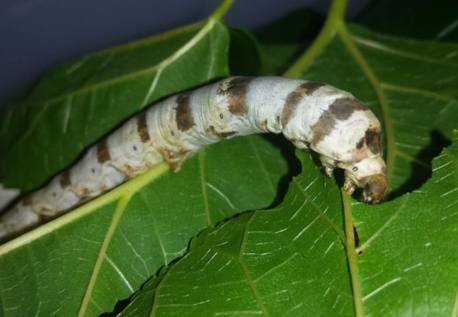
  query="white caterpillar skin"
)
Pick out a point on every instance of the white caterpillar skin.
point(312, 115)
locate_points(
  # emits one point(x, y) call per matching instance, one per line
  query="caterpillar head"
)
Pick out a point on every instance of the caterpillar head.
point(376, 189)
point(370, 175)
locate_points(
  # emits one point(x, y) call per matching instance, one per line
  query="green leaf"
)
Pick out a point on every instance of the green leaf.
point(244, 57)
point(273, 262)
point(283, 41)
point(413, 18)
point(410, 246)
point(298, 259)
point(81, 101)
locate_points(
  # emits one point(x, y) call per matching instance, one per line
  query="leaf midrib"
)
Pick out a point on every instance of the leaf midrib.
point(123, 202)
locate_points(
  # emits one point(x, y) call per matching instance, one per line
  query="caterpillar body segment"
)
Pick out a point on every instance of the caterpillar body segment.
point(316, 116)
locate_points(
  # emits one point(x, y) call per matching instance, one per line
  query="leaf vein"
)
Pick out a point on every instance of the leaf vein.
point(321, 213)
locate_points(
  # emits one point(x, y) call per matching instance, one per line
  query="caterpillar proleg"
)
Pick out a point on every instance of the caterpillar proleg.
point(312, 115)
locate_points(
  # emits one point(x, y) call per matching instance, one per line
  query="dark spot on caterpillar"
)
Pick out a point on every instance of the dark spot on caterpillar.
point(372, 140)
point(361, 143)
point(183, 112)
point(221, 116)
point(54, 194)
point(93, 170)
point(135, 148)
point(142, 127)
point(294, 97)
point(85, 192)
point(103, 155)
point(235, 89)
point(355, 169)
point(65, 179)
point(172, 133)
point(211, 130)
point(27, 200)
point(340, 109)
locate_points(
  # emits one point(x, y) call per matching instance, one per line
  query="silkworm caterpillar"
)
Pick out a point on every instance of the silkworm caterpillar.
point(312, 115)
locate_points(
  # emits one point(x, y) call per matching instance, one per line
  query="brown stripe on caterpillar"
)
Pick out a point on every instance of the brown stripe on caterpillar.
point(183, 112)
point(372, 140)
point(142, 127)
point(65, 180)
point(235, 89)
point(340, 109)
point(294, 97)
point(103, 155)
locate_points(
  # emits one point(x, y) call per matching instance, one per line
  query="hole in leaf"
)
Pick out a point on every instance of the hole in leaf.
point(420, 173)
point(356, 235)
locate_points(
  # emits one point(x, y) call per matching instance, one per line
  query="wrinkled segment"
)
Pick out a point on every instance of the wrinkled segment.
point(294, 98)
point(312, 115)
point(340, 110)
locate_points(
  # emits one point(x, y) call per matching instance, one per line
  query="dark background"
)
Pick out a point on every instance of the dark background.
point(38, 34)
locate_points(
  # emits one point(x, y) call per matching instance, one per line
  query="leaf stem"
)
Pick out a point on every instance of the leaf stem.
point(334, 22)
point(351, 255)
point(221, 10)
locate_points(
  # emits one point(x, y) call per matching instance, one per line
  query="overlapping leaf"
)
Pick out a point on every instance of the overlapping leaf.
point(292, 260)
point(298, 259)
point(79, 102)
point(285, 261)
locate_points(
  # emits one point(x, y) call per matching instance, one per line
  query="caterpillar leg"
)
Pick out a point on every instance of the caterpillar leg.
point(328, 164)
point(349, 186)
